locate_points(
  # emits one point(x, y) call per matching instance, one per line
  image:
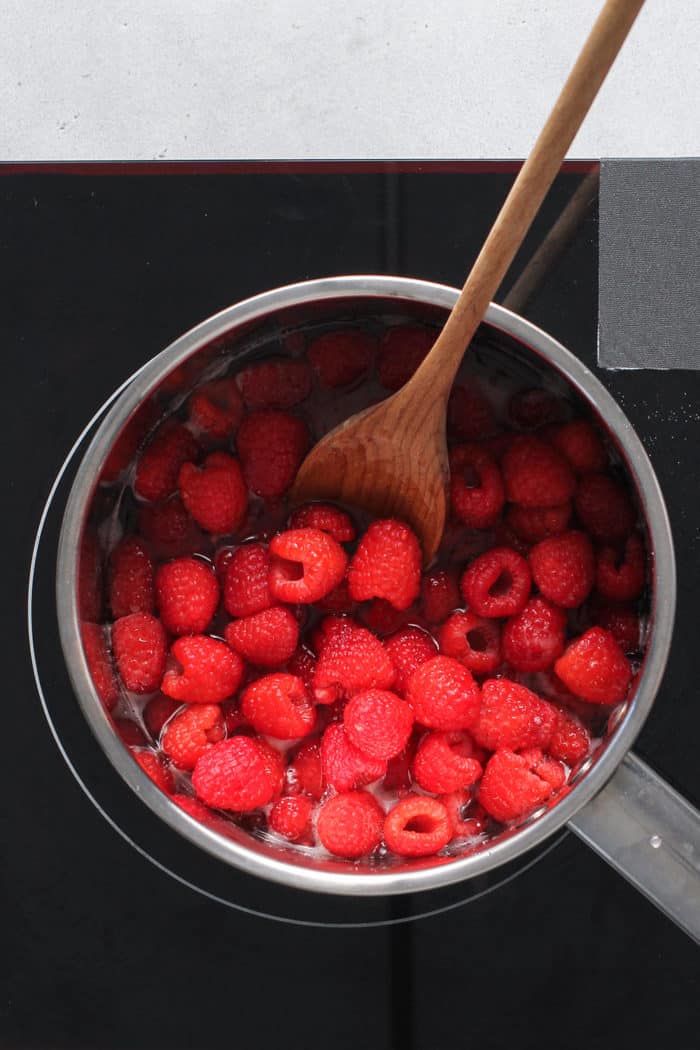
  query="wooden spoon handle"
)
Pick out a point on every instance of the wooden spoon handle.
point(527, 193)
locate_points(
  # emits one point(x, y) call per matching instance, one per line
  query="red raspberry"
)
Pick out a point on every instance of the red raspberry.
point(409, 648)
point(570, 742)
point(278, 705)
point(512, 717)
point(239, 774)
point(401, 350)
point(90, 578)
point(190, 733)
point(160, 462)
point(157, 712)
point(469, 414)
point(99, 663)
point(340, 358)
point(290, 817)
point(233, 718)
point(535, 474)
point(129, 733)
point(327, 518)
point(529, 409)
point(246, 591)
point(417, 826)
point(217, 408)
point(509, 789)
point(497, 583)
point(131, 579)
point(305, 566)
point(123, 451)
point(378, 722)
point(582, 446)
point(350, 661)
point(188, 595)
point(398, 770)
point(350, 824)
point(473, 641)
point(443, 695)
point(271, 446)
point(546, 768)
point(535, 638)
point(476, 487)
point(305, 771)
point(169, 526)
point(623, 624)
point(604, 508)
point(200, 812)
point(594, 668)
point(382, 618)
point(563, 568)
point(211, 671)
point(278, 383)
point(439, 595)
point(140, 648)
point(386, 564)
point(621, 581)
point(303, 664)
point(344, 766)
point(467, 818)
point(183, 376)
point(338, 601)
point(154, 767)
point(215, 493)
point(267, 639)
point(444, 762)
point(533, 524)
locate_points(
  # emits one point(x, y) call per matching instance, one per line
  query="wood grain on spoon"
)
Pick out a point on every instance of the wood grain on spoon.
point(391, 459)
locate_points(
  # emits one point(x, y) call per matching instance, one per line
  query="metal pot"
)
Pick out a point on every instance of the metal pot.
point(616, 803)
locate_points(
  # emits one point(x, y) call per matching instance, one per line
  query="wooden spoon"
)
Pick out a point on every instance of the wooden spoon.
point(391, 459)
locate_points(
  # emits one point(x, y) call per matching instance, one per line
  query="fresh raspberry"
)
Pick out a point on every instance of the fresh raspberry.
point(130, 733)
point(443, 695)
point(604, 508)
point(340, 358)
point(621, 581)
point(529, 409)
point(439, 595)
point(535, 638)
point(350, 661)
point(198, 811)
point(594, 668)
point(153, 767)
point(344, 766)
point(217, 408)
point(409, 648)
point(99, 663)
point(327, 518)
point(169, 526)
point(469, 414)
point(157, 712)
point(504, 536)
point(215, 493)
point(350, 825)
point(140, 649)
point(398, 770)
point(512, 717)
point(417, 826)
point(305, 771)
point(467, 818)
point(190, 733)
point(277, 383)
point(305, 565)
point(182, 377)
point(290, 817)
point(472, 640)
point(563, 568)
point(232, 715)
point(160, 462)
point(533, 524)
point(188, 595)
point(331, 627)
point(623, 624)
point(476, 487)
point(302, 663)
point(130, 579)
point(271, 446)
point(246, 591)
point(123, 452)
point(90, 578)
point(509, 789)
point(338, 600)
point(238, 773)
point(401, 350)
point(546, 767)
point(570, 742)
point(444, 762)
point(386, 564)
point(278, 705)
point(498, 445)
point(536, 474)
point(378, 722)
point(582, 446)
point(210, 671)
point(382, 618)
point(267, 639)
point(497, 583)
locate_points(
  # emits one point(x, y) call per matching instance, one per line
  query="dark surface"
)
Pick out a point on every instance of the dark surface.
point(103, 950)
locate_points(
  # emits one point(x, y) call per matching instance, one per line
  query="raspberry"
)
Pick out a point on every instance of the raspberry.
point(99, 663)
point(188, 595)
point(546, 768)
point(131, 579)
point(563, 568)
point(509, 789)
point(439, 595)
point(350, 661)
point(302, 663)
point(215, 493)
point(444, 762)
point(467, 819)
point(267, 639)
point(409, 648)
point(529, 409)
point(182, 376)
point(140, 648)
point(291, 817)
point(382, 618)
point(90, 578)
point(621, 581)
point(581, 445)
point(340, 358)
point(153, 767)
point(271, 446)
point(200, 812)
point(278, 383)
point(168, 525)
point(417, 826)
point(534, 639)
point(217, 408)
point(278, 705)
point(344, 766)
point(160, 462)
point(350, 824)
point(305, 771)
point(443, 695)
point(398, 769)
point(386, 564)
point(232, 716)
point(338, 600)
point(473, 641)
point(469, 414)
point(239, 774)
point(305, 566)
point(157, 712)
point(211, 671)
point(535, 474)
point(623, 624)
point(512, 717)
point(124, 449)
point(190, 733)
point(378, 722)
point(129, 733)
point(327, 518)
point(497, 583)
point(604, 508)
point(570, 742)
point(594, 668)
point(401, 350)
point(476, 487)
point(533, 524)
point(245, 588)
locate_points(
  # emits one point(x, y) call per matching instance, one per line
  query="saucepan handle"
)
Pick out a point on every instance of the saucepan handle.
point(651, 835)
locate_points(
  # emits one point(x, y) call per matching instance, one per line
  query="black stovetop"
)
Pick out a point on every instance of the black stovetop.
point(101, 267)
